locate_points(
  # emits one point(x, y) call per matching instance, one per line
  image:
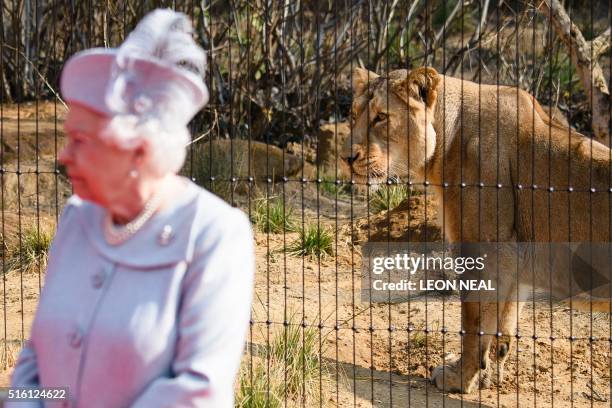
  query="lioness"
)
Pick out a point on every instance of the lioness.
point(503, 171)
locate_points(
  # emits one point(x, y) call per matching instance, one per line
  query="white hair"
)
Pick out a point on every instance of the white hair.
point(167, 147)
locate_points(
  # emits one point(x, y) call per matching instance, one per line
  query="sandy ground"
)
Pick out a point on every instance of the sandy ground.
point(388, 368)
point(364, 367)
point(380, 367)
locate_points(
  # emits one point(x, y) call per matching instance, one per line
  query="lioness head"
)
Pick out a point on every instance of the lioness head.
point(392, 117)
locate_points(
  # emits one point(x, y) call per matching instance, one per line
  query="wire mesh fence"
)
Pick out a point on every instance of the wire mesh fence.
point(341, 124)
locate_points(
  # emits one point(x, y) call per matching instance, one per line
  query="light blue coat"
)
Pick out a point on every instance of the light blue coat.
point(159, 321)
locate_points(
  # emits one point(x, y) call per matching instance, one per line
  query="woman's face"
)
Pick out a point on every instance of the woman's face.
point(98, 171)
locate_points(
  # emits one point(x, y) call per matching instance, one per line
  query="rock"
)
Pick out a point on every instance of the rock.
point(409, 222)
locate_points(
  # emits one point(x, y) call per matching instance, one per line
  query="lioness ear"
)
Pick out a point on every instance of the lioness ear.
point(361, 78)
point(421, 83)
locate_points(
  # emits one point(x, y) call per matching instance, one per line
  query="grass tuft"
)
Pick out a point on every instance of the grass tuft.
point(259, 388)
point(297, 347)
point(35, 245)
point(10, 354)
point(329, 187)
point(313, 241)
point(289, 365)
point(388, 197)
point(273, 216)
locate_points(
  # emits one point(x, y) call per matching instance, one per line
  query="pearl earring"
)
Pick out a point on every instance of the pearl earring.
point(133, 173)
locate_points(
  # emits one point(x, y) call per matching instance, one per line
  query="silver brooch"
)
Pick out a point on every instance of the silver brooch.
point(166, 235)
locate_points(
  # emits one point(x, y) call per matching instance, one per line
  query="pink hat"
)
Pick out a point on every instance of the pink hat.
point(158, 71)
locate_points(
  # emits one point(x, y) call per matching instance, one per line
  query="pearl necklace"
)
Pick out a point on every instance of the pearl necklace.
point(116, 235)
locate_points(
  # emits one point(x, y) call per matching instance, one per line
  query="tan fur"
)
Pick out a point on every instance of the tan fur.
point(443, 129)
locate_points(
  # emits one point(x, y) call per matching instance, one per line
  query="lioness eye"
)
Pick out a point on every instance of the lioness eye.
point(381, 117)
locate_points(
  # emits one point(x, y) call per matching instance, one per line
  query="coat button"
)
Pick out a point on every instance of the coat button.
point(166, 235)
point(75, 337)
point(97, 279)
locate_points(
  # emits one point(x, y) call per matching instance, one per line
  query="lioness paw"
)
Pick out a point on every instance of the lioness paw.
point(448, 378)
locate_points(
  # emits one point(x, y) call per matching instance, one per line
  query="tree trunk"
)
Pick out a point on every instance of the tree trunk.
point(584, 58)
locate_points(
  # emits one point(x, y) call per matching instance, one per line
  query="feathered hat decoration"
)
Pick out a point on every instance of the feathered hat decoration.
point(157, 73)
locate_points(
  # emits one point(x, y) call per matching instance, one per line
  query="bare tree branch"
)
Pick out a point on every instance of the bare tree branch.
point(601, 44)
point(589, 70)
point(450, 18)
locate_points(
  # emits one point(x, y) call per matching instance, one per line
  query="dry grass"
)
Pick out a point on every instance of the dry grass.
point(11, 354)
point(273, 215)
point(27, 250)
point(289, 368)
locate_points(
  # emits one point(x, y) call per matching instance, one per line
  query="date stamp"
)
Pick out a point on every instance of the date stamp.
point(33, 394)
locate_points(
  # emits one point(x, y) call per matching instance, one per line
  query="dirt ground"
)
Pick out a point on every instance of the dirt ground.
point(389, 368)
point(363, 367)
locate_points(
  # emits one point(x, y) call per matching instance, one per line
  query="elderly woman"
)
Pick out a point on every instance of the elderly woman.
point(148, 288)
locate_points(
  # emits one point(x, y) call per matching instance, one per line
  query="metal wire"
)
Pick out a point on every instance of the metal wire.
point(256, 50)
